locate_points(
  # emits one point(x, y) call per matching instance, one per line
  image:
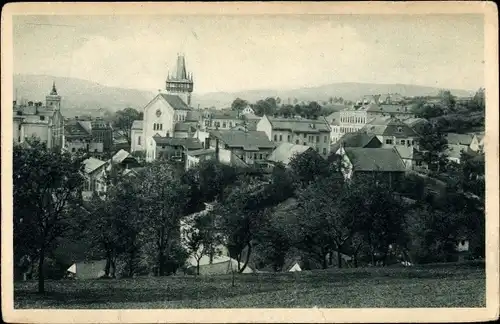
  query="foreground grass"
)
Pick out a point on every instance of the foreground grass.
point(437, 286)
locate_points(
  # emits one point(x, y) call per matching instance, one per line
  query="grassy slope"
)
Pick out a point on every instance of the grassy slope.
point(441, 286)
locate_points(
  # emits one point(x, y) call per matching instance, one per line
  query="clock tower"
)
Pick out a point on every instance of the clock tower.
point(181, 82)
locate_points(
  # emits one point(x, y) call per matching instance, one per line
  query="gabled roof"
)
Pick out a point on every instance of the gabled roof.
point(356, 139)
point(175, 101)
point(225, 114)
point(248, 141)
point(285, 151)
point(77, 128)
point(138, 124)
point(120, 156)
point(185, 127)
point(459, 139)
point(455, 150)
point(187, 143)
point(209, 151)
point(300, 125)
point(194, 115)
point(375, 159)
point(389, 127)
point(92, 164)
point(390, 108)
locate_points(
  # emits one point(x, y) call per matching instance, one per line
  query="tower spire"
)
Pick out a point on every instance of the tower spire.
point(54, 90)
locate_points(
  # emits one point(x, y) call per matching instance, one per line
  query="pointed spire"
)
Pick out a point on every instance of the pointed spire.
point(54, 90)
point(181, 68)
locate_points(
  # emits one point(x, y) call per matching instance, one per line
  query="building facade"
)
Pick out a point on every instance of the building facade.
point(43, 122)
point(313, 133)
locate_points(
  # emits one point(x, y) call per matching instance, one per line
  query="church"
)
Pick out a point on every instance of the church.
point(168, 115)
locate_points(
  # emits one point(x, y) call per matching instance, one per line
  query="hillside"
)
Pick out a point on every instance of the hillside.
point(83, 97)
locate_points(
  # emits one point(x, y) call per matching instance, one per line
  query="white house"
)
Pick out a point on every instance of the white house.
point(248, 110)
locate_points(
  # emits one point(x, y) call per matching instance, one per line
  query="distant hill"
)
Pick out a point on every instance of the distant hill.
point(87, 97)
point(80, 96)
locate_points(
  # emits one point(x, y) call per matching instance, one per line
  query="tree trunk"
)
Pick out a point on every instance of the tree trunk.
point(324, 261)
point(108, 263)
point(198, 267)
point(331, 258)
point(339, 258)
point(41, 272)
point(247, 258)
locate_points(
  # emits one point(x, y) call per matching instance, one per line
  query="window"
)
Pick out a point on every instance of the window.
point(139, 140)
point(281, 137)
point(288, 138)
point(73, 149)
point(297, 142)
point(305, 135)
point(275, 137)
point(261, 156)
point(95, 150)
point(168, 134)
point(255, 156)
point(305, 143)
point(317, 139)
point(402, 142)
point(161, 126)
point(400, 129)
point(326, 139)
point(42, 117)
point(388, 141)
point(223, 124)
point(412, 142)
point(324, 151)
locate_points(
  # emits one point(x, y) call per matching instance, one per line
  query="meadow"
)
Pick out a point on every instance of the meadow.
point(441, 285)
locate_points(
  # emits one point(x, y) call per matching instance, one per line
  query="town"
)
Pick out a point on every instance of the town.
point(266, 187)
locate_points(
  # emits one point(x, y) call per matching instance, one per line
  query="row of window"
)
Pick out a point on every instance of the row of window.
point(353, 119)
point(180, 117)
point(348, 129)
point(311, 138)
point(401, 142)
point(157, 126)
point(209, 123)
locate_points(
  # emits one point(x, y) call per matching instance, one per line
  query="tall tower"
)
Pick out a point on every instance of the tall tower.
point(53, 100)
point(181, 82)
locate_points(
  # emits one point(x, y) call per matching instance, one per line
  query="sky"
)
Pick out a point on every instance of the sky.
point(235, 53)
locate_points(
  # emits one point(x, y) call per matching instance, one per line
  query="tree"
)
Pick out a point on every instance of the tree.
point(200, 236)
point(239, 104)
point(448, 100)
point(124, 119)
point(307, 166)
point(46, 183)
point(313, 110)
point(433, 144)
point(162, 199)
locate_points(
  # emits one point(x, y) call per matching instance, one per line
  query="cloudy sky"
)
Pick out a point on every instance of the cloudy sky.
point(231, 53)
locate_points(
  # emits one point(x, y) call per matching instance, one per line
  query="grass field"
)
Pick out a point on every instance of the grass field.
point(459, 285)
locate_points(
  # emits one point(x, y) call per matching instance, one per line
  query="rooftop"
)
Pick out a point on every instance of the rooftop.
point(201, 152)
point(225, 114)
point(185, 127)
point(175, 101)
point(333, 118)
point(249, 141)
point(187, 143)
point(300, 125)
point(137, 124)
point(459, 139)
point(389, 127)
point(92, 164)
point(356, 139)
point(375, 159)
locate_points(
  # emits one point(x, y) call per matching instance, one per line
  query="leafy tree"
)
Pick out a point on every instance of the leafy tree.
point(239, 104)
point(433, 144)
point(200, 236)
point(46, 183)
point(448, 100)
point(268, 106)
point(123, 120)
point(313, 110)
point(162, 198)
point(306, 167)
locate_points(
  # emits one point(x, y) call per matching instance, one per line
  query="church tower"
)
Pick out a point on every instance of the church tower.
point(181, 82)
point(53, 100)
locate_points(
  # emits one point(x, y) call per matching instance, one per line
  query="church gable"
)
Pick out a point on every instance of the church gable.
point(158, 103)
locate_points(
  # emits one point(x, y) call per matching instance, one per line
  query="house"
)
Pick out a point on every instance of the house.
point(357, 139)
point(412, 158)
point(248, 111)
point(86, 270)
point(92, 136)
point(417, 124)
point(95, 177)
point(175, 149)
point(392, 132)
point(454, 152)
point(36, 120)
point(193, 158)
point(309, 132)
point(285, 152)
point(334, 121)
point(359, 161)
point(480, 138)
point(465, 141)
point(242, 148)
point(136, 136)
point(222, 119)
point(123, 160)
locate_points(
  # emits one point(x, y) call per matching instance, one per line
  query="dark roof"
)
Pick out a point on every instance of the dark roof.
point(459, 139)
point(300, 125)
point(91, 164)
point(225, 114)
point(187, 143)
point(76, 128)
point(375, 159)
point(356, 139)
point(249, 141)
point(389, 127)
point(185, 127)
point(194, 115)
point(175, 101)
point(389, 108)
point(333, 118)
point(201, 152)
point(286, 151)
